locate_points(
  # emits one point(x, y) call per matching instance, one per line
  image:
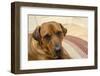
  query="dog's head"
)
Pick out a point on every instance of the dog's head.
point(50, 36)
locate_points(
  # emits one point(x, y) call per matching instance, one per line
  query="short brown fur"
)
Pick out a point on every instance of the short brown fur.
point(45, 42)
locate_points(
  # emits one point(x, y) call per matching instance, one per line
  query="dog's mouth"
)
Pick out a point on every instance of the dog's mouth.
point(54, 53)
point(57, 54)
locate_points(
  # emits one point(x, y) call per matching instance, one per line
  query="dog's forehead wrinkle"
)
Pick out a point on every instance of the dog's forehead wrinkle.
point(56, 27)
point(45, 31)
point(49, 28)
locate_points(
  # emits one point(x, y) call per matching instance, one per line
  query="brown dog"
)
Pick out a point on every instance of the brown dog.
point(46, 42)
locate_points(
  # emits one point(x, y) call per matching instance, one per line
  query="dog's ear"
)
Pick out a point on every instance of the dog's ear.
point(63, 29)
point(36, 34)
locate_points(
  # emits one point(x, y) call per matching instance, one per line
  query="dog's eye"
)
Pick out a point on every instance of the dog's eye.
point(47, 37)
point(58, 33)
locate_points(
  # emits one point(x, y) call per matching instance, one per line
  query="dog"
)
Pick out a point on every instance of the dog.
point(45, 43)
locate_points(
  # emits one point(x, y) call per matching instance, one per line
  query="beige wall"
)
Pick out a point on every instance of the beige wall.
point(77, 26)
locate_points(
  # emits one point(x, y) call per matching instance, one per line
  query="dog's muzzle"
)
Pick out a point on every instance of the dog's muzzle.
point(58, 51)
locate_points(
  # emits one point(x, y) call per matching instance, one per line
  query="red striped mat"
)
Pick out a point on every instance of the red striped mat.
point(76, 47)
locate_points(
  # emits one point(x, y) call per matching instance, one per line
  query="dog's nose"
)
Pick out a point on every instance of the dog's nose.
point(57, 47)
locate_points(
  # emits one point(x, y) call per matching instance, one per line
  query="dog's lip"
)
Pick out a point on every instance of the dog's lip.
point(56, 56)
